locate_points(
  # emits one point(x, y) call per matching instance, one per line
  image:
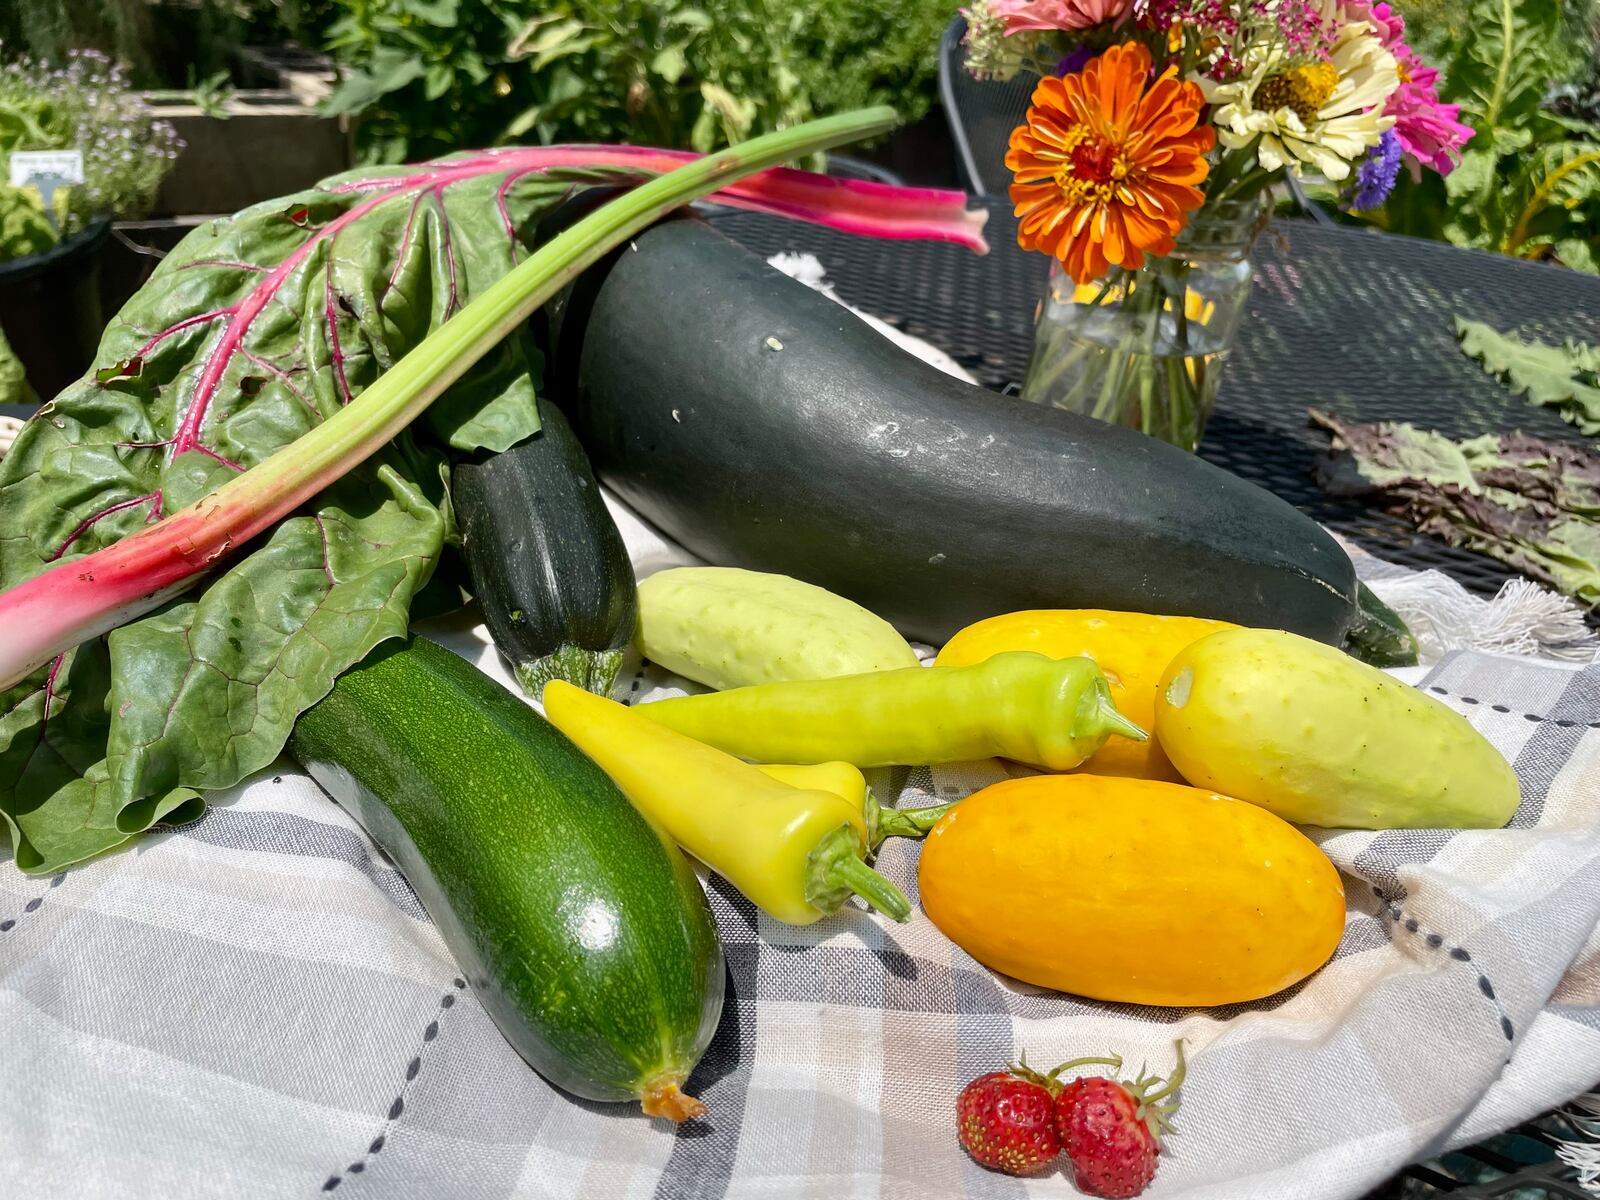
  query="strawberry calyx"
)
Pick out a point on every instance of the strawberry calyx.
point(1158, 1099)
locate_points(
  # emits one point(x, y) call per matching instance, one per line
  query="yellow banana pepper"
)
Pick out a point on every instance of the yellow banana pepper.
point(797, 853)
point(850, 784)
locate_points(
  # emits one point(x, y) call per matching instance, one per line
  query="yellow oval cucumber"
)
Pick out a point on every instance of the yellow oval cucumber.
point(1321, 739)
point(726, 627)
point(1131, 890)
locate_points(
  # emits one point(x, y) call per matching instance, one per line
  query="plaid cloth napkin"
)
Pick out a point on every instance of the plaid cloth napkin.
point(256, 1005)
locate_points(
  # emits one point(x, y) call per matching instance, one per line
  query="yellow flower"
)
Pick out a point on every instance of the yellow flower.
point(1196, 307)
point(1322, 114)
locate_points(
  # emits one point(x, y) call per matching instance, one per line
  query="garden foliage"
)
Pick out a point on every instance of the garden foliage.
point(431, 76)
point(1529, 181)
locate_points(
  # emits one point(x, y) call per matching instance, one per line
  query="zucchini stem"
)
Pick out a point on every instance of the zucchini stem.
point(835, 871)
point(663, 1098)
point(592, 670)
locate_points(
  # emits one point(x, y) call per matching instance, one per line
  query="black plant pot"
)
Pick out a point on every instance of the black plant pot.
point(50, 309)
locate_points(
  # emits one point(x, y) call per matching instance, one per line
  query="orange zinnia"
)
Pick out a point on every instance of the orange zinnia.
point(1106, 168)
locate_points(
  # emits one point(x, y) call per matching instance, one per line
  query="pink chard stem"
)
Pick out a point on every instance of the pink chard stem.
point(78, 599)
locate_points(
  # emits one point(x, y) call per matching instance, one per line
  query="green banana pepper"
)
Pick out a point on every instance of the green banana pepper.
point(1049, 713)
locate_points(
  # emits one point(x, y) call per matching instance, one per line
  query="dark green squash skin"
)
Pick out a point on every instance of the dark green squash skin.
point(548, 565)
point(522, 851)
point(761, 425)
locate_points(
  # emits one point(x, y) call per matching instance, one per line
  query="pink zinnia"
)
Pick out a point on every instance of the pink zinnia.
point(1428, 130)
point(1024, 15)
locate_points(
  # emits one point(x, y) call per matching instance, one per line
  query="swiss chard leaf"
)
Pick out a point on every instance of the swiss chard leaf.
point(1566, 377)
point(1529, 503)
point(253, 330)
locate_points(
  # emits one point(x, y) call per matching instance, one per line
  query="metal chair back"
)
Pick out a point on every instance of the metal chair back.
point(981, 115)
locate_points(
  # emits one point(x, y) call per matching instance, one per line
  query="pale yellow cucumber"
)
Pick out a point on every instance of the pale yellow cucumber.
point(727, 628)
point(1321, 739)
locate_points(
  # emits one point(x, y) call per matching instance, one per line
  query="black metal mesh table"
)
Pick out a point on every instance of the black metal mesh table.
point(1351, 321)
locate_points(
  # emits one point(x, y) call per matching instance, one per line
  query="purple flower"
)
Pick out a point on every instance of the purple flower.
point(1375, 177)
point(1074, 61)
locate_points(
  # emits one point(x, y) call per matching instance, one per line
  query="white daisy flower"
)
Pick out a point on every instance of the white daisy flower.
point(1322, 114)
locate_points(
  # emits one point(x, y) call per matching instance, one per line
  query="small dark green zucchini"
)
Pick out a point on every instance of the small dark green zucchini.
point(584, 933)
point(548, 564)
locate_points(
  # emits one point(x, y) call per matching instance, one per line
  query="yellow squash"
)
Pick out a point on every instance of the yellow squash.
point(1131, 649)
point(1131, 890)
point(1321, 739)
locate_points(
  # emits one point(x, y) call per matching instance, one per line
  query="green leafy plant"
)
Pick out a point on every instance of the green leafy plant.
point(86, 105)
point(1436, 27)
point(49, 29)
point(14, 387)
point(1529, 181)
point(854, 52)
point(1565, 377)
point(211, 95)
point(431, 75)
point(428, 76)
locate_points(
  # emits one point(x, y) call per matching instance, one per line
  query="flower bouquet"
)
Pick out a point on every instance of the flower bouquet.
point(1146, 162)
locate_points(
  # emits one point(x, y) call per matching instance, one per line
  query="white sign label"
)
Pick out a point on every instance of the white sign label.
point(50, 168)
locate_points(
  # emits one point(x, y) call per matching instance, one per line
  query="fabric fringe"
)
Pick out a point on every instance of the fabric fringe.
point(1583, 1157)
point(1524, 618)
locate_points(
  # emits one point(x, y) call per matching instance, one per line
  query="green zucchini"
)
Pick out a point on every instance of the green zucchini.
point(761, 425)
point(548, 564)
point(584, 933)
point(1380, 637)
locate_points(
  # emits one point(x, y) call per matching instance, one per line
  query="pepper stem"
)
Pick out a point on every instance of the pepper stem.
point(1105, 716)
point(900, 822)
point(835, 872)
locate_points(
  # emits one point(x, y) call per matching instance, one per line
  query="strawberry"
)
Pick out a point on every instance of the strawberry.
point(1008, 1121)
point(1112, 1131)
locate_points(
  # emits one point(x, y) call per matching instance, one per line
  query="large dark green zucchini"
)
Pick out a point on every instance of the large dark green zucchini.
point(548, 565)
point(761, 425)
point(584, 933)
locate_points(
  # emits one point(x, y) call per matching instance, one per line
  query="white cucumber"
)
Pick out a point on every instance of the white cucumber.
point(726, 628)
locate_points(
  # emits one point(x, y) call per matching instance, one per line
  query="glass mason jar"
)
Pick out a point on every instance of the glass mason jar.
point(1146, 348)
